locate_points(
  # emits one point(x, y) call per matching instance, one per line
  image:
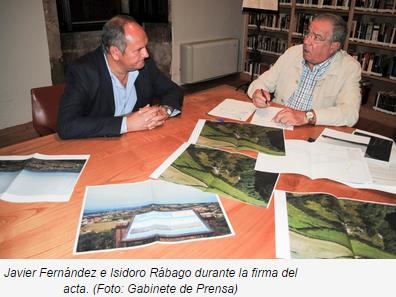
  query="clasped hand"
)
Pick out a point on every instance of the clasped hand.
point(146, 118)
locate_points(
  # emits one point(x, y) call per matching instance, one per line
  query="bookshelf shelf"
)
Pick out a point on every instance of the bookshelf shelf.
point(265, 29)
point(373, 45)
point(389, 13)
point(379, 78)
point(317, 9)
point(267, 53)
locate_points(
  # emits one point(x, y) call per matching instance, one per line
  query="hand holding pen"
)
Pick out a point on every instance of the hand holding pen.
point(261, 98)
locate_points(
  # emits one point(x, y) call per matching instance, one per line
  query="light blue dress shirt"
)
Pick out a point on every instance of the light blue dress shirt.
point(124, 97)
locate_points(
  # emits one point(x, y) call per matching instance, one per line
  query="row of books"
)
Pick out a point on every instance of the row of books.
point(369, 32)
point(376, 64)
point(380, 33)
point(279, 21)
point(256, 69)
point(267, 44)
point(317, 3)
point(365, 5)
point(375, 5)
point(302, 22)
point(321, 3)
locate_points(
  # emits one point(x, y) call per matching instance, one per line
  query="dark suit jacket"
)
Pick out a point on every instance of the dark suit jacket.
point(87, 106)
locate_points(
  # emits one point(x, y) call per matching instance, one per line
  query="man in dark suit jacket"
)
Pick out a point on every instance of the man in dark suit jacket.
point(110, 91)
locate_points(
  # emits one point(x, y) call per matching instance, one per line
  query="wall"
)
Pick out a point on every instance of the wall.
point(24, 60)
point(54, 44)
point(199, 20)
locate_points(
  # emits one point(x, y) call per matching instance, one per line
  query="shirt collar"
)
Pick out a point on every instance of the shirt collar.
point(321, 65)
point(132, 75)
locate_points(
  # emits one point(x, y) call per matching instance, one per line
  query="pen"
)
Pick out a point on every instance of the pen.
point(262, 93)
point(344, 140)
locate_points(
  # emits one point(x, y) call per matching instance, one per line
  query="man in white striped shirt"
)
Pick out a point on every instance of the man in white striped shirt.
point(316, 81)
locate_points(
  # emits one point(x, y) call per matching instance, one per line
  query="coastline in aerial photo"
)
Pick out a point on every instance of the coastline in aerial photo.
point(34, 177)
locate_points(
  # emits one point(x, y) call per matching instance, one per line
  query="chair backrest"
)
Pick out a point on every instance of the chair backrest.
point(45, 104)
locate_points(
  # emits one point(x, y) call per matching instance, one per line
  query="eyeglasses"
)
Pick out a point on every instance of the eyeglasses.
point(316, 37)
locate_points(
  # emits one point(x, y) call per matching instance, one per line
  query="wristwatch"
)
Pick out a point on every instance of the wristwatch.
point(168, 109)
point(310, 115)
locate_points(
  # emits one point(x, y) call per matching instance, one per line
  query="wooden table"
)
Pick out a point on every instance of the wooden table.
point(48, 230)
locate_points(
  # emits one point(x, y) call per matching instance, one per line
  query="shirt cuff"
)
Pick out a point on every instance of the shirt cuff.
point(175, 112)
point(124, 128)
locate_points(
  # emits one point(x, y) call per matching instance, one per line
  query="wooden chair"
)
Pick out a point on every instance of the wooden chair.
point(45, 104)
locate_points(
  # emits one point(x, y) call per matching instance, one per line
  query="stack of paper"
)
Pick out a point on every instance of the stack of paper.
point(318, 160)
point(379, 153)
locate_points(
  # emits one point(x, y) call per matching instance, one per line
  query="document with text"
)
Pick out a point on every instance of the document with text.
point(233, 109)
point(318, 160)
point(379, 153)
point(264, 117)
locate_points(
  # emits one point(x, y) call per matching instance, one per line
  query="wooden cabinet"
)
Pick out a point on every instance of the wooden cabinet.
point(371, 40)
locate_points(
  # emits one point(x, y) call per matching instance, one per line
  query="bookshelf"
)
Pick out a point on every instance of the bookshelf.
point(372, 41)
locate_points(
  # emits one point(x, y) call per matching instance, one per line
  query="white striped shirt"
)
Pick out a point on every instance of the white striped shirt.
point(301, 99)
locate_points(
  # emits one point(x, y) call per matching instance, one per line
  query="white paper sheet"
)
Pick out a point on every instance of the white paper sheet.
point(196, 132)
point(383, 174)
point(38, 185)
point(282, 239)
point(233, 109)
point(264, 116)
point(318, 160)
point(157, 173)
point(383, 177)
point(342, 138)
point(371, 134)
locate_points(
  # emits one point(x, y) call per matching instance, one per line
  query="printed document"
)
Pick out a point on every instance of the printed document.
point(239, 137)
point(213, 170)
point(374, 146)
point(344, 139)
point(379, 153)
point(233, 109)
point(130, 215)
point(322, 226)
point(318, 160)
point(37, 178)
point(264, 116)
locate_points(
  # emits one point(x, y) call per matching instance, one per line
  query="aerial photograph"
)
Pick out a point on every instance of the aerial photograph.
point(35, 177)
point(243, 137)
point(224, 173)
point(132, 215)
point(323, 226)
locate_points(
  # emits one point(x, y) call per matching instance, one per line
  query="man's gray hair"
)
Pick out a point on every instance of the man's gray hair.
point(339, 26)
point(113, 33)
